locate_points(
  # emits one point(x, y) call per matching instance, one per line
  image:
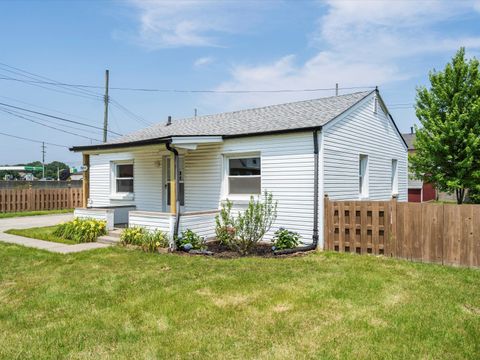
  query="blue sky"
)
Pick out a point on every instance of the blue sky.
point(225, 45)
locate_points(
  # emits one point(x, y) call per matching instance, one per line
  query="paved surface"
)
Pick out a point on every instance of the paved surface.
point(42, 220)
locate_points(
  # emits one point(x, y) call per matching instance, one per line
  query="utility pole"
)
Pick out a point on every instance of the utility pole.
point(43, 160)
point(105, 116)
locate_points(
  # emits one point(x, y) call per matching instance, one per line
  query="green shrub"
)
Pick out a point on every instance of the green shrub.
point(285, 239)
point(225, 224)
point(81, 230)
point(154, 240)
point(252, 224)
point(133, 235)
point(149, 241)
point(190, 237)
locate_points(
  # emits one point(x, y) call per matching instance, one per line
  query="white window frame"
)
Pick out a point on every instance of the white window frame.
point(114, 195)
point(363, 185)
point(394, 176)
point(226, 174)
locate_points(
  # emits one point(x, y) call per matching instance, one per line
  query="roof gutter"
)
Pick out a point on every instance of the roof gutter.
point(107, 146)
point(314, 244)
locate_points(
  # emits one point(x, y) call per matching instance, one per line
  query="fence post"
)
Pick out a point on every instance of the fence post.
point(326, 223)
point(393, 227)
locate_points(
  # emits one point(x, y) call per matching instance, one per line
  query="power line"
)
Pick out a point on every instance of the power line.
point(32, 140)
point(48, 126)
point(20, 114)
point(57, 117)
point(196, 91)
point(50, 89)
point(34, 76)
point(43, 107)
point(129, 113)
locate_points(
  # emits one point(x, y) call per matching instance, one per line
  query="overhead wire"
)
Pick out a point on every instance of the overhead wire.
point(50, 81)
point(32, 140)
point(43, 120)
point(48, 126)
point(56, 117)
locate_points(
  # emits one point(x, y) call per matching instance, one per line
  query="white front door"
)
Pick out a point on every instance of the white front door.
point(166, 182)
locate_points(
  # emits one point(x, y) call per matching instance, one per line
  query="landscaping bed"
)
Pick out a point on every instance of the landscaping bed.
point(216, 249)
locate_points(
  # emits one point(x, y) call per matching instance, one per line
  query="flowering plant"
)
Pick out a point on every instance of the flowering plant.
point(81, 230)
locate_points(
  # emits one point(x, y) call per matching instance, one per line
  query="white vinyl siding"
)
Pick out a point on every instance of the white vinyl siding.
point(286, 171)
point(362, 131)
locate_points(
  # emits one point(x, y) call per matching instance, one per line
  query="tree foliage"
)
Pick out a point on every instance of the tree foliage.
point(50, 169)
point(447, 146)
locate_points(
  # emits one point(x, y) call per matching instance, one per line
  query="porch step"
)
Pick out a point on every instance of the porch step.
point(107, 239)
point(115, 233)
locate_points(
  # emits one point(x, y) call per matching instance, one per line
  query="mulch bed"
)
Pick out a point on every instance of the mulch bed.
point(261, 250)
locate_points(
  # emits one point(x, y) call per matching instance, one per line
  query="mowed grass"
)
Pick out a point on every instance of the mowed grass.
point(116, 303)
point(41, 233)
point(34, 213)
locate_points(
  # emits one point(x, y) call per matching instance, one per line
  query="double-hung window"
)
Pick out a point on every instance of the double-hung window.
point(244, 175)
point(123, 178)
point(394, 179)
point(363, 176)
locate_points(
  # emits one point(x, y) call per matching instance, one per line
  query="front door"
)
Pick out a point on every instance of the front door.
point(166, 182)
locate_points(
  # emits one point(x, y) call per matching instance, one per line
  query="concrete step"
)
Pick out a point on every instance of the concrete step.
point(115, 233)
point(107, 239)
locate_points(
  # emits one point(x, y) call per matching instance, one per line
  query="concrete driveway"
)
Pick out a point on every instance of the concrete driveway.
point(37, 221)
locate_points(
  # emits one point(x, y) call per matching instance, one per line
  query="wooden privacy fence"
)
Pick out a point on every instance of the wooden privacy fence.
point(39, 199)
point(439, 233)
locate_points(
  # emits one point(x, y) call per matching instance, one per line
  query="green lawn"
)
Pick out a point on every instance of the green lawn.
point(42, 233)
point(34, 213)
point(117, 303)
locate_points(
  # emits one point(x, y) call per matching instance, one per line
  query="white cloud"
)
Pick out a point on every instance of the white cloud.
point(203, 61)
point(193, 23)
point(361, 43)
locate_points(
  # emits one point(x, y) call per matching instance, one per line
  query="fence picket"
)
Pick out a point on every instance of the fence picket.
point(39, 199)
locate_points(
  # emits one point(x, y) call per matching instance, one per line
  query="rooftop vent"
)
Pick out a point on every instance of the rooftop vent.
point(169, 121)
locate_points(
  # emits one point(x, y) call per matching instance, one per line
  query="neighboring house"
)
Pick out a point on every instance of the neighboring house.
point(345, 146)
point(418, 191)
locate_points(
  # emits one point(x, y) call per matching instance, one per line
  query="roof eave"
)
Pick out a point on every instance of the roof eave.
point(121, 145)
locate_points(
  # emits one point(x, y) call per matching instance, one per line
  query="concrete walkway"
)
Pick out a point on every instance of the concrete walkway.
point(37, 221)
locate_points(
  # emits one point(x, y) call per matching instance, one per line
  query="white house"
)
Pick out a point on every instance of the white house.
point(174, 175)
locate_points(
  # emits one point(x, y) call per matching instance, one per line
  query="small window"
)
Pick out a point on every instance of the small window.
point(363, 176)
point(124, 178)
point(244, 175)
point(394, 179)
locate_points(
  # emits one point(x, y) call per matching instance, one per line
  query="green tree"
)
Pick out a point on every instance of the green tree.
point(50, 169)
point(447, 147)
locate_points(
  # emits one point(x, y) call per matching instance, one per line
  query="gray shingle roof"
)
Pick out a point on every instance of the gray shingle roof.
point(275, 118)
point(409, 140)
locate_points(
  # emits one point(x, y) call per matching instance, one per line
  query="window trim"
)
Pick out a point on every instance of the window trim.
point(114, 194)
point(363, 193)
point(226, 185)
